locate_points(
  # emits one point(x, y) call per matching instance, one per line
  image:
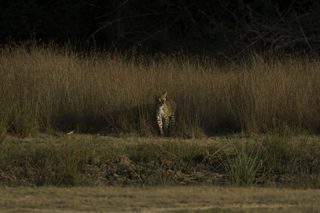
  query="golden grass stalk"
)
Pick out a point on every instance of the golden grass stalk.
point(44, 88)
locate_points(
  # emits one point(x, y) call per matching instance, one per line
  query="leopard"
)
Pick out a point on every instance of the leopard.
point(165, 114)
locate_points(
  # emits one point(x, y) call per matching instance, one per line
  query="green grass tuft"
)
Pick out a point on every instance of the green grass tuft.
point(244, 166)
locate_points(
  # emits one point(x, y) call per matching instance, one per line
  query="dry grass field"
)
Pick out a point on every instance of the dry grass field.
point(158, 199)
point(50, 89)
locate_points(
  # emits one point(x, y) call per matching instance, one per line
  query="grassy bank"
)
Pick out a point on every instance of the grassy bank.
point(158, 199)
point(48, 89)
point(76, 160)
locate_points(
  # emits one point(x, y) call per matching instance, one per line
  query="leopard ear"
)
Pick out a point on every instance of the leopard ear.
point(165, 94)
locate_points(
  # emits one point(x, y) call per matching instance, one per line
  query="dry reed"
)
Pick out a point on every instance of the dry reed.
point(46, 88)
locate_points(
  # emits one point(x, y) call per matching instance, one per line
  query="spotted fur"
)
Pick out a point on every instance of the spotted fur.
point(165, 113)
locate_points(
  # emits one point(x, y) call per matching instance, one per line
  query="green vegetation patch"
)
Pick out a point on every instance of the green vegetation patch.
point(98, 160)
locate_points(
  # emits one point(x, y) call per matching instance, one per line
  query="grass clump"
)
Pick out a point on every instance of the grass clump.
point(244, 166)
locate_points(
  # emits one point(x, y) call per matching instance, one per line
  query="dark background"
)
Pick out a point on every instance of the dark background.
point(221, 28)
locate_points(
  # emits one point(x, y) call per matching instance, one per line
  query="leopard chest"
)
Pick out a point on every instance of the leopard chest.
point(163, 111)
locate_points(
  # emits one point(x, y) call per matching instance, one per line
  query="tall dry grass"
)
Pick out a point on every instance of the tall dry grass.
point(47, 88)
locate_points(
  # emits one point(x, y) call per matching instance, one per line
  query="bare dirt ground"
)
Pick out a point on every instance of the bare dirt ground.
point(158, 199)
